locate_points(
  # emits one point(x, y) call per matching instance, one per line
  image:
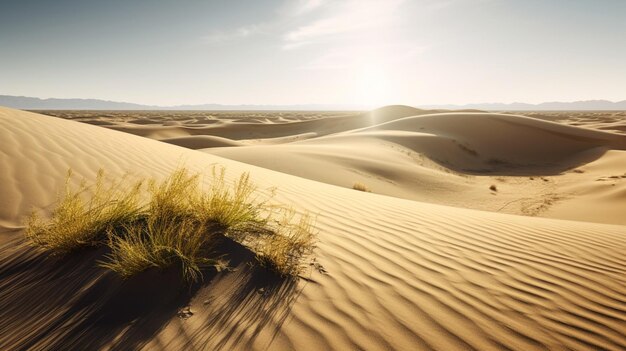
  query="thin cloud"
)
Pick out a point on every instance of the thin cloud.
point(344, 17)
point(340, 58)
point(306, 6)
point(238, 33)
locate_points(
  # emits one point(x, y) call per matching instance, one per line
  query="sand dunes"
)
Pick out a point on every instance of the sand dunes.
point(612, 121)
point(390, 273)
point(423, 155)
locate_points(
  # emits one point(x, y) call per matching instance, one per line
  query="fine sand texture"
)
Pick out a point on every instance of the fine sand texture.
point(390, 273)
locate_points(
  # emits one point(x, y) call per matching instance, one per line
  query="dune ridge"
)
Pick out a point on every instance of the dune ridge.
point(397, 274)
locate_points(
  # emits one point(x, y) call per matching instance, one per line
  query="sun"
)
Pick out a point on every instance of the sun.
point(371, 85)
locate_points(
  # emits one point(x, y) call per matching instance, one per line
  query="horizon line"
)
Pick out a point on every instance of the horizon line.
point(340, 105)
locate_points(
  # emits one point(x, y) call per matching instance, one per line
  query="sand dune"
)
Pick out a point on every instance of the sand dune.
point(507, 141)
point(400, 274)
point(157, 125)
point(201, 142)
point(454, 159)
point(472, 159)
point(611, 121)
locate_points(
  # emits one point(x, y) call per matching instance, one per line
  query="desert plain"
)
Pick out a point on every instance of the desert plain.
point(437, 230)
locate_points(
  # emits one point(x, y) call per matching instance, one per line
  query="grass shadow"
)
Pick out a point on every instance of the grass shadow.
point(250, 301)
point(71, 304)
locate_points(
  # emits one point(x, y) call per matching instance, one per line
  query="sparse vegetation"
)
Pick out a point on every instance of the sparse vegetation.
point(162, 242)
point(361, 187)
point(178, 224)
point(77, 222)
point(290, 238)
point(234, 208)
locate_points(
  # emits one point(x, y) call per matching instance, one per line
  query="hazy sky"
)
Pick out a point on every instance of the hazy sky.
point(370, 52)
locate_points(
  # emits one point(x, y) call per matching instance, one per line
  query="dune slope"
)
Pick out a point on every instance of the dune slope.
point(397, 274)
point(458, 158)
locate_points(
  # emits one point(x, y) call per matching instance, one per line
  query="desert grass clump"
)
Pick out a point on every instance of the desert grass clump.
point(361, 187)
point(174, 197)
point(281, 249)
point(174, 231)
point(244, 216)
point(235, 207)
point(163, 242)
point(179, 224)
point(84, 214)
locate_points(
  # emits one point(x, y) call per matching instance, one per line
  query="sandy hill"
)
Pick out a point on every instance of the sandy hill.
point(401, 275)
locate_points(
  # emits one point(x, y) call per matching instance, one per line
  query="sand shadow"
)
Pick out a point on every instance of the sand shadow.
point(501, 167)
point(250, 301)
point(72, 304)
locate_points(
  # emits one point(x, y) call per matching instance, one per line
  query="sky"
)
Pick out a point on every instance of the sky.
point(354, 52)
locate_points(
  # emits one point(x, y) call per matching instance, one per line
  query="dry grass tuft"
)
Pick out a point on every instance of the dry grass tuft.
point(234, 207)
point(361, 187)
point(180, 225)
point(175, 196)
point(281, 249)
point(174, 232)
point(163, 242)
point(77, 222)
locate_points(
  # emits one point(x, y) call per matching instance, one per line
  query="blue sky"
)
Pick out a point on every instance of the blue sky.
point(367, 52)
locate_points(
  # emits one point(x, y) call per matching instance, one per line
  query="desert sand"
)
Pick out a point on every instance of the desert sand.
point(482, 231)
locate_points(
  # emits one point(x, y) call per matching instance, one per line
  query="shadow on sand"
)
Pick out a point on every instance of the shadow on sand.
point(72, 304)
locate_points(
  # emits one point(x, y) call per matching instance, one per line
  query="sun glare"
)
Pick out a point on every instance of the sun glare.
point(372, 86)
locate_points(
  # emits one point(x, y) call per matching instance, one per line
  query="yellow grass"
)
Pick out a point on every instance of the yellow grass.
point(281, 249)
point(233, 207)
point(179, 225)
point(84, 214)
point(162, 242)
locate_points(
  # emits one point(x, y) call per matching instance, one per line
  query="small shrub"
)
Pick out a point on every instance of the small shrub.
point(361, 187)
point(493, 187)
point(173, 232)
point(162, 242)
point(77, 222)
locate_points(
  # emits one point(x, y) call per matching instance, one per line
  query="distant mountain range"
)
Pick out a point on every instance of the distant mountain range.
point(589, 105)
point(31, 103)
